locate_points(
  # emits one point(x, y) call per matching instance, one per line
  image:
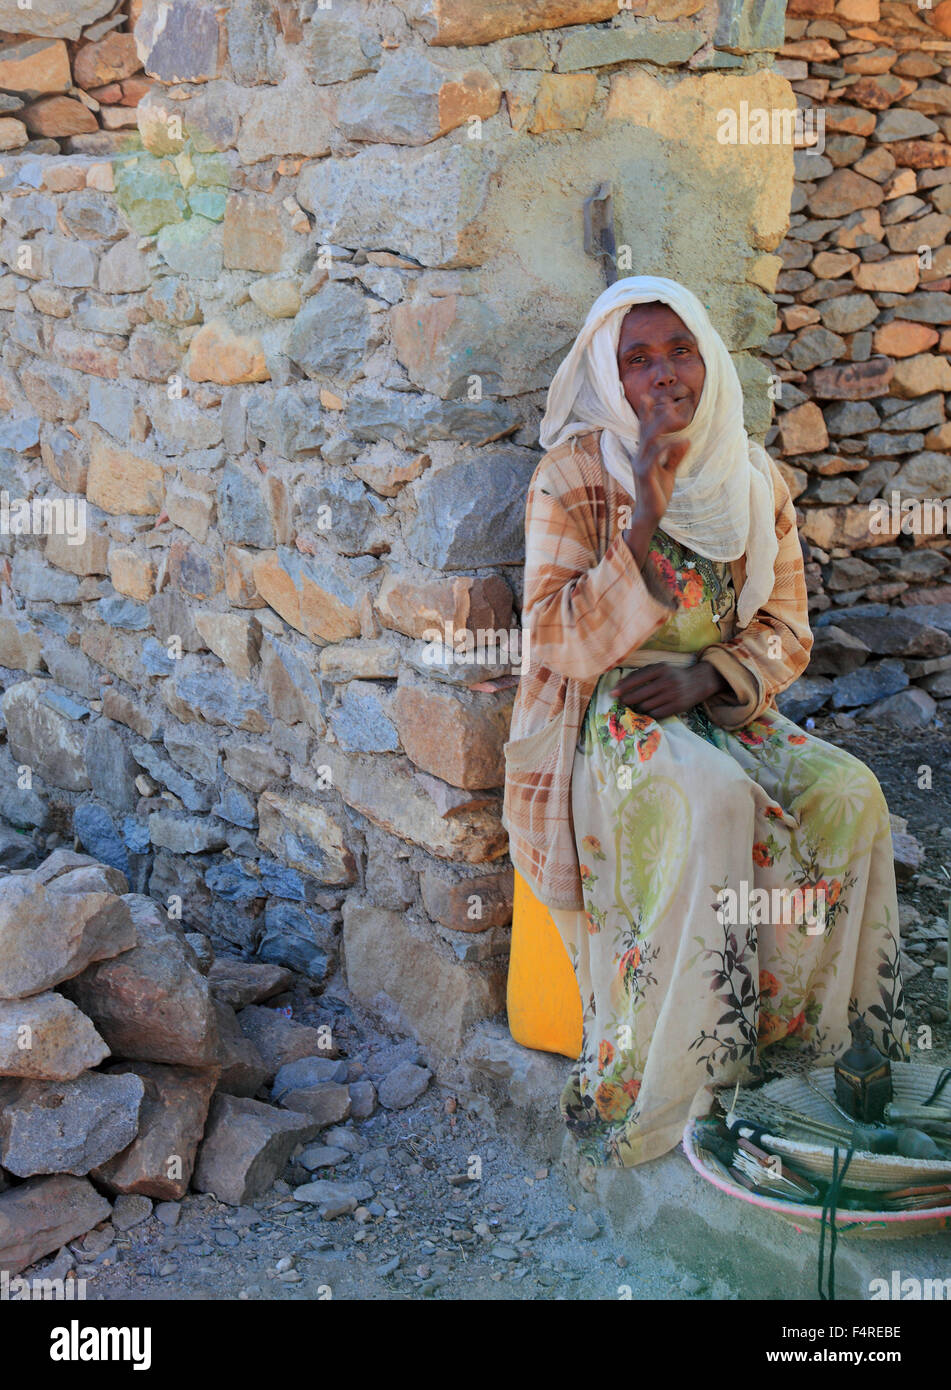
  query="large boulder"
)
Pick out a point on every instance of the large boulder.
point(69, 1126)
point(159, 1161)
point(44, 1214)
point(153, 1005)
point(46, 1038)
point(48, 935)
point(246, 1146)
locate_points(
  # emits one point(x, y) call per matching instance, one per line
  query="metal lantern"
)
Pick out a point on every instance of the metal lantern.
point(863, 1076)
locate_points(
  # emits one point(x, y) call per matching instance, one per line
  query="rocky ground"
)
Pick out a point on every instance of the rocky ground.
point(423, 1229)
point(448, 1206)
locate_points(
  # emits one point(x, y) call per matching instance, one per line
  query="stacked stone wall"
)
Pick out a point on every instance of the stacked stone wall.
point(288, 341)
point(860, 348)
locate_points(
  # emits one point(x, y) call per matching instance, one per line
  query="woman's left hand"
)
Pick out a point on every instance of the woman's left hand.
point(662, 689)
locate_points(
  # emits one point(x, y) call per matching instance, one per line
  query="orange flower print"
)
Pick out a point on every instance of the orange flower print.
point(630, 960)
point(774, 812)
point(761, 854)
point(648, 748)
point(605, 1054)
point(768, 983)
point(692, 589)
point(614, 727)
point(770, 1027)
point(592, 924)
point(795, 1024)
point(611, 1101)
point(835, 888)
point(745, 736)
point(797, 738)
point(585, 873)
point(664, 568)
point(632, 1087)
point(593, 845)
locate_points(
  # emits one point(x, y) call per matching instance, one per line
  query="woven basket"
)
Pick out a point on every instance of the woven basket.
point(880, 1225)
point(912, 1084)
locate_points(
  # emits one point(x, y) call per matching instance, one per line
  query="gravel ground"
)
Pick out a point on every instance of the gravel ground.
point(426, 1228)
point(512, 1234)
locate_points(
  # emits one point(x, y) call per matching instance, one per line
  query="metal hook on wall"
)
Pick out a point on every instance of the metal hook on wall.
point(599, 238)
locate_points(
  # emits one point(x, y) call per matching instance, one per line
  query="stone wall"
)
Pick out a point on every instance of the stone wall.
point(73, 83)
point(861, 341)
point(289, 341)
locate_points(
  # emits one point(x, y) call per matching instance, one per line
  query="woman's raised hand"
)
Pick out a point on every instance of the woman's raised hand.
point(659, 454)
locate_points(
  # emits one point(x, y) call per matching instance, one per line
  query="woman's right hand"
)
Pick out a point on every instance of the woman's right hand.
point(659, 455)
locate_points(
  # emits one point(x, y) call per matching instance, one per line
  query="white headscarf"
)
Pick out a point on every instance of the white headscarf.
point(722, 501)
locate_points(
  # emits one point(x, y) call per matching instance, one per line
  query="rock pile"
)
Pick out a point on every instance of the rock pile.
point(860, 345)
point(73, 83)
point(133, 1064)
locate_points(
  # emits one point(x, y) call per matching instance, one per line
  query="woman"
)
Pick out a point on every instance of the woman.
point(653, 791)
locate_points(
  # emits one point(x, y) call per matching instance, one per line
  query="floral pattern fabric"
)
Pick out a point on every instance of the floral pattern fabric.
point(739, 896)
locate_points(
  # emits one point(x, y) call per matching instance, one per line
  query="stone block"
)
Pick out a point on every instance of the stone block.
point(385, 199)
point(121, 482)
point(319, 600)
point(178, 41)
point(472, 514)
point(331, 334)
point(69, 1126)
point(280, 1040)
point(456, 735)
point(291, 119)
point(46, 734)
point(305, 837)
point(46, 1038)
point(156, 1006)
point(411, 100)
point(218, 353)
point(472, 904)
point(159, 1161)
point(412, 972)
point(44, 1214)
point(455, 22)
point(34, 67)
point(246, 1147)
point(388, 792)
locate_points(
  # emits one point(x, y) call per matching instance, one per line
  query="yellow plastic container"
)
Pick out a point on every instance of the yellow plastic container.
point(544, 1004)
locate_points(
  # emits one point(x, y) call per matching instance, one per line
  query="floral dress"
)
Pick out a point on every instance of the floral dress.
point(739, 894)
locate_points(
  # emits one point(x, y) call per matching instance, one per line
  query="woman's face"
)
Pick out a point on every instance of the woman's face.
point(659, 363)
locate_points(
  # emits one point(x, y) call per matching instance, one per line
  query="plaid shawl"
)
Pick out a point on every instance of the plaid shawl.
point(586, 606)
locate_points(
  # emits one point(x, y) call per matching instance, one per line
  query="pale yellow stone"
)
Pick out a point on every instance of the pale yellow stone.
point(919, 376)
point(20, 646)
point(317, 613)
point(101, 178)
point(287, 827)
point(121, 482)
point(830, 265)
point(563, 101)
point(91, 556)
point(329, 400)
point(694, 113)
point(190, 504)
point(217, 353)
point(279, 298)
point(764, 271)
point(131, 574)
point(234, 639)
point(902, 183)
